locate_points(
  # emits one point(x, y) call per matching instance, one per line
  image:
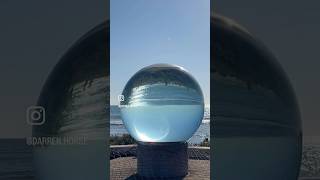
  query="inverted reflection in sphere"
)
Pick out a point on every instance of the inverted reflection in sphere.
point(162, 103)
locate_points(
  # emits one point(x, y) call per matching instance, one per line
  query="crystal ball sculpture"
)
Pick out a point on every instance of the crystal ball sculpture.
point(76, 93)
point(162, 103)
point(75, 97)
point(257, 127)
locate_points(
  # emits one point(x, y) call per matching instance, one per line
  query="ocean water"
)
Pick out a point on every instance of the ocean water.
point(262, 158)
point(16, 160)
point(257, 149)
point(162, 94)
point(66, 162)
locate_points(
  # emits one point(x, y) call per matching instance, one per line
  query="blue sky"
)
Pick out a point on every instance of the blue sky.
point(145, 32)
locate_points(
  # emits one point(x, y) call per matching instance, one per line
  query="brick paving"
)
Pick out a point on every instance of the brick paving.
point(125, 168)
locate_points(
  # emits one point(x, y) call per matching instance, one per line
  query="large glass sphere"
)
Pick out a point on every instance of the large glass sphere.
point(76, 93)
point(257, 128)
point(162, 103)
point(75, 97)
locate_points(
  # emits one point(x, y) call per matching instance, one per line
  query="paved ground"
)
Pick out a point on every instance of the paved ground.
point(125, 168)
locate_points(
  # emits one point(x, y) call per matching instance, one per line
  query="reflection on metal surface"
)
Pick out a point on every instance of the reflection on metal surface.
point(257, 127)
point(158, 100)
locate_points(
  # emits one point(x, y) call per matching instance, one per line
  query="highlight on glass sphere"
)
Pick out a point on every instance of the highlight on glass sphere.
point(162, 103)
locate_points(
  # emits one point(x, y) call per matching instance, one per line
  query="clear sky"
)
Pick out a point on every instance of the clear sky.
point(145, 32)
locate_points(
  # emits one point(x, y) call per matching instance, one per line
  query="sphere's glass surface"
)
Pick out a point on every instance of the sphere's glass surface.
point(257, 126)
point(76, 93)
point(75, 97)
point(162, 103)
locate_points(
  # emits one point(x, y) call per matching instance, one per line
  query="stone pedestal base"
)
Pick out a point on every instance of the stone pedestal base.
point(162, 160)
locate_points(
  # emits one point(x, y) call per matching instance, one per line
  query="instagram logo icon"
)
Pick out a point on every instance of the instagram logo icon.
point(36, 115)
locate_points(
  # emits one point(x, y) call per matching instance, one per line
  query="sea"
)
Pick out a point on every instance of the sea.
point(16, 160)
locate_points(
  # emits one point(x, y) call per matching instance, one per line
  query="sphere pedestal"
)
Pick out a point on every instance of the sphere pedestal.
point(162, 160)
